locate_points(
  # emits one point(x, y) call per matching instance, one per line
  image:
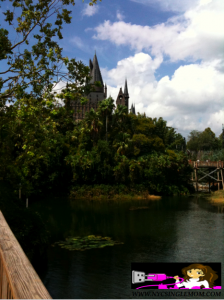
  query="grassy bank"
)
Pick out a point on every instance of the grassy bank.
point(111, 192)
point(217, 197)
point(117, 197)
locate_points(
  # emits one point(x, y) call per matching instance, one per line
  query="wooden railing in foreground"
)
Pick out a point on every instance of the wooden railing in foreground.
point(18, 279)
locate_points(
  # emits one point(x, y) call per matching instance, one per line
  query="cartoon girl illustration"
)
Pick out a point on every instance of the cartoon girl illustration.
point(197, 275)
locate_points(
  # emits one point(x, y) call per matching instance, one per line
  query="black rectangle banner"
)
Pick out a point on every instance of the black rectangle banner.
point(176, 275)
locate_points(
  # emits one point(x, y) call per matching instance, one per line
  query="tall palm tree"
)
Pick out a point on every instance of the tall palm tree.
point(93, 122)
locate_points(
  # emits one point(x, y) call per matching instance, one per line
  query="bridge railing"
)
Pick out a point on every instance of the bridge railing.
point(216, 164)
point(18, 279)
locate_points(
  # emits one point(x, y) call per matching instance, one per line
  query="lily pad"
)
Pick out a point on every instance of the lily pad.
point(86, 243)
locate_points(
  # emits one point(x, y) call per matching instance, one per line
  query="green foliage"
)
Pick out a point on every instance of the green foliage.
point(205, 140)
point(35, 60)
point(46, 150)
point(34, 138)
point(215, 155)
point(131, 154)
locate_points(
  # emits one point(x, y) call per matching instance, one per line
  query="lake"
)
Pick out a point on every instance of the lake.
point(173, 229)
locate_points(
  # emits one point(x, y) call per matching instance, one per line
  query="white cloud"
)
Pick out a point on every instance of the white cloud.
point(170, 5)
point(191, 99)
point(197, 34)
point(77, 42)
point(120, 16)
point(132, 67)
point(90, 10)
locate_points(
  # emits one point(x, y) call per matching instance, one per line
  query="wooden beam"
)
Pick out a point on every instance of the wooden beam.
point(196, 178)
point(218, 179)
point(22, 280)
point(222, 179)
point(208, 174)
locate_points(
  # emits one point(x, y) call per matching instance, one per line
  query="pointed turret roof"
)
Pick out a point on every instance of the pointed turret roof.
point(126, 87)
point(95, 71)
point(132, 109)
point(90, 65)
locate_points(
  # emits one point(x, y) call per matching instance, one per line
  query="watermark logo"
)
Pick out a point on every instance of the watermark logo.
point(176, 275)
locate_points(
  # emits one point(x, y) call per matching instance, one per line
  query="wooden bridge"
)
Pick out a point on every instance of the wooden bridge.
point(18, 279)
point(213, 166)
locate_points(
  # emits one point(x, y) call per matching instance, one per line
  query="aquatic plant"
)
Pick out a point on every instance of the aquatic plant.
point(86, 243)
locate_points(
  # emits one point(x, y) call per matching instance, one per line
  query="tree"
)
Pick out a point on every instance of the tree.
point(205, 140)
point(170, 138)
point(38, 65)
point(193, 140)
point(33, 130)
point(221, 140)
point(208, 140)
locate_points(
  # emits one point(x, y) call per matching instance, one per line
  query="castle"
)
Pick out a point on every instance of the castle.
point(99, 93)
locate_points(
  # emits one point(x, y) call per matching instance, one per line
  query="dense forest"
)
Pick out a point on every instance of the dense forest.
point(63, 154)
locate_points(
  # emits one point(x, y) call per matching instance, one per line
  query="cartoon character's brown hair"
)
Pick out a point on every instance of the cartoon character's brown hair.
point(210, 275)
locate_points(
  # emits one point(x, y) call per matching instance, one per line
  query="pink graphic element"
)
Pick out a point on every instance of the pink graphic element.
point(162, 286)
point(161, 277)
point(157, 277)
point(161, 283)
point(175, 287)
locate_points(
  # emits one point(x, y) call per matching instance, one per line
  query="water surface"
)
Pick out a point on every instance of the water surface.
point(177, 229)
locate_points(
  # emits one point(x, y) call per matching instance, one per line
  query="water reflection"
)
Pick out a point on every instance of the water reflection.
point(170, 230)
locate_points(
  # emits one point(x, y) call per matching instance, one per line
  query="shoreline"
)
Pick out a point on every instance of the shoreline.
point(215, 198)
point(115, 197)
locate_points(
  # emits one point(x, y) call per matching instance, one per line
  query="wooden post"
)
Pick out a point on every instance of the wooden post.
point(26, 202)
point(222, 179)
point(209, 184)
point(20, 191)
point(218, 179)
point(196, 178)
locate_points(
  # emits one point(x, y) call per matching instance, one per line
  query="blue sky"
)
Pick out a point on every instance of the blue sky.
point(170, 51)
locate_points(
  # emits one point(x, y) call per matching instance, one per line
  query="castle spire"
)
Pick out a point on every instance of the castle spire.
point(126, 95)
point(126, 87)
point(105, 90)
point(95, 71)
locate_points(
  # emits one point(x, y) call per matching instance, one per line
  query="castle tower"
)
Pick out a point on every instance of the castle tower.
point(120, 98)
point(126, 95)
point(132, 109)
point(98, 93)
point(105, 91)
point(123, 98)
